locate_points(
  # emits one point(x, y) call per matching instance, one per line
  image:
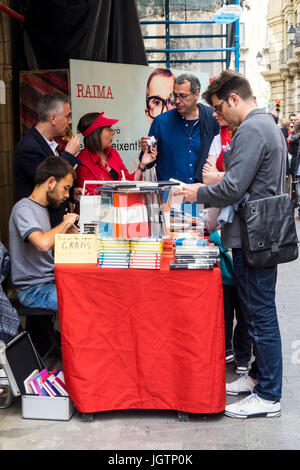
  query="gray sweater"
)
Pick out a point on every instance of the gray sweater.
point(253, 165)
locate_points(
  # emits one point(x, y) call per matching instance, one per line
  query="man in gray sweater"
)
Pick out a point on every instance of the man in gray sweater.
point(253, 167)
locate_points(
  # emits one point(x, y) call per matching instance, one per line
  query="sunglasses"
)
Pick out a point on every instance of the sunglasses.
point(218, 108)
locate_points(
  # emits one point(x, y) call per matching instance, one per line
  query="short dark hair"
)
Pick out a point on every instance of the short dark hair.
point(226, 83)
point(53, 166)
point(92, 141)
point(50, 103)
point(188, 77)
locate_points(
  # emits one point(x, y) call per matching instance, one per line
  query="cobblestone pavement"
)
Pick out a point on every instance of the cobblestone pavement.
point(155, 430)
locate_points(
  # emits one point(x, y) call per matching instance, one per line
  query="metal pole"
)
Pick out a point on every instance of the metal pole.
point(237, 41)
point(167, 7)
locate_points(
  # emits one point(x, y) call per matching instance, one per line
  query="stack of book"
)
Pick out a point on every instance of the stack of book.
point(168, 247)
point(113, 253)
point(44, 383)
point(146, 253)
point(185, 224)
point(195, 254)
point(125, 210)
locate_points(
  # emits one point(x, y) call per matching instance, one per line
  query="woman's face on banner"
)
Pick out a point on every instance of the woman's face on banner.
point(160, 87)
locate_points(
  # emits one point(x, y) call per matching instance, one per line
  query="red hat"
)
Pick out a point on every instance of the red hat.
point(101, 121)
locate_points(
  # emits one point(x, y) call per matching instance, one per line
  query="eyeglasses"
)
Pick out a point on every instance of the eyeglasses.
point(158, 104)
point(180, 96)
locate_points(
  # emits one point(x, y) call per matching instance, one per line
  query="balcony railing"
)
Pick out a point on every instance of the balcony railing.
point(297, 35)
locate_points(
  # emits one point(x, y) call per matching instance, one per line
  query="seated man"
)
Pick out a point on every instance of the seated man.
point(31, 238)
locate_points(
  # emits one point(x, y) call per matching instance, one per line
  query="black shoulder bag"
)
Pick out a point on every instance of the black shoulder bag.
point(268, 230)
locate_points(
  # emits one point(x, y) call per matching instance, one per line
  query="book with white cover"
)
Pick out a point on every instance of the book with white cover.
point(27, 381)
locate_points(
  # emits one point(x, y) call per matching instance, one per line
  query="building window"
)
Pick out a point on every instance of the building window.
point(242, 34)
point(243, 67)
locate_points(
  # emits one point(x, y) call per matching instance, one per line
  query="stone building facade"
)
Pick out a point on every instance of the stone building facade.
point(284, 54)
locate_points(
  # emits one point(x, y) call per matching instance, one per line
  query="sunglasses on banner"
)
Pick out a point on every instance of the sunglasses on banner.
point(158, 104)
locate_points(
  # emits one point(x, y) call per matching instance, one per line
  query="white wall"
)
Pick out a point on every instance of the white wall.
point(256, 39)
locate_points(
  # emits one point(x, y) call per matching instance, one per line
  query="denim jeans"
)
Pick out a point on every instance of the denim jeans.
point(39, 296)
point(239, 339)
point(256, 289)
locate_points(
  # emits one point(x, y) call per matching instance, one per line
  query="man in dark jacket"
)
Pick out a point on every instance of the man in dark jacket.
point(257, 155)
point(294, 148)
point(183, 134)
point(54, 118)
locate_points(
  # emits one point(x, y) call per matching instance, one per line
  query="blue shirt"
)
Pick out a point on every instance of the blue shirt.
point(179, 143)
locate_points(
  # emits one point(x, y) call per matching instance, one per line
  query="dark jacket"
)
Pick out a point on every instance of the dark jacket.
point(209, 127)
point(294, 141)
point(30, 151)
point(168, 126)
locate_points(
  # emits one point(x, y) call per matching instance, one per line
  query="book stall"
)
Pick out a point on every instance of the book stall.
point(140, 302)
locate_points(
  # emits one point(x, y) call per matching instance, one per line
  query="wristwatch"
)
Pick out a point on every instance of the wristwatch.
point(140, 168)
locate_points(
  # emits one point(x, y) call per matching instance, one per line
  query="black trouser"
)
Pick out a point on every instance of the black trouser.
point(239, 340)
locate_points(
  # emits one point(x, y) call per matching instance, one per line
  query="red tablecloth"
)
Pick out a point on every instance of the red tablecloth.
point(147, 339)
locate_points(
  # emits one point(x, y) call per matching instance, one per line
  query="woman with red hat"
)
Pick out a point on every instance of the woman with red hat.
point(99, 160)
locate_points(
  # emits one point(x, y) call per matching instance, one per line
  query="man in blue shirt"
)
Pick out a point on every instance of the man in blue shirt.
point(183, 134)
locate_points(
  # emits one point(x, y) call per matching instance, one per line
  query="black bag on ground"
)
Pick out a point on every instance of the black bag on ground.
point(268, 231)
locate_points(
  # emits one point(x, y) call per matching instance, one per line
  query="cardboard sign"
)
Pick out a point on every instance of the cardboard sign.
point(79, 248)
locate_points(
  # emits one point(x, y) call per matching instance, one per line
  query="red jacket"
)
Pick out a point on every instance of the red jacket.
point(91, 168)
point(225, 139)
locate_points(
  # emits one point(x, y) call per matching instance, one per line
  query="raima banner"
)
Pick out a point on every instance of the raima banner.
point(134, 94)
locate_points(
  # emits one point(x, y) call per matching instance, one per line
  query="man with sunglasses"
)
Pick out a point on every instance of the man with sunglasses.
point(184, 133)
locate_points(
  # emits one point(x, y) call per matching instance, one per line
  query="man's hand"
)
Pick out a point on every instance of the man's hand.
point(211, 160)
point(70, 219)
point(143, 143)
point(149, 157)
point(208, 167)
point(73, 229)
point(73, 145)
point(190, 191)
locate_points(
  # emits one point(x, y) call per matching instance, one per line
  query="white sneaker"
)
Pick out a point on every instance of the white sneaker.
point(253, 406)
point(244, 384)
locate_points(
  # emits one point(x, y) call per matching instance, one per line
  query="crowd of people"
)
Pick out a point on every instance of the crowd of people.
point(220, 151)
point(291, 131)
